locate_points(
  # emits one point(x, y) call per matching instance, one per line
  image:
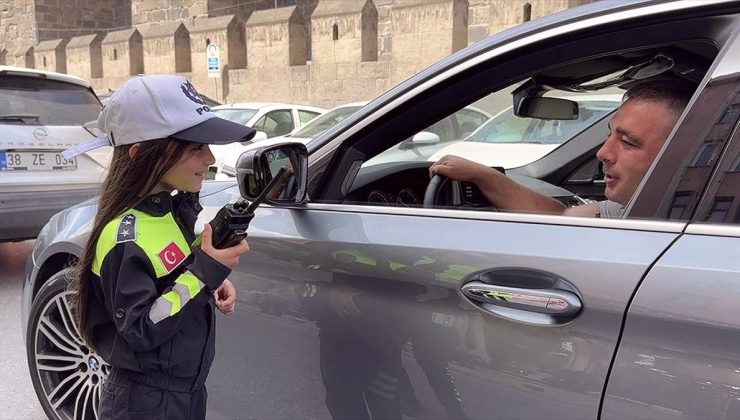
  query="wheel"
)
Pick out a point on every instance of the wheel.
point(66, 374)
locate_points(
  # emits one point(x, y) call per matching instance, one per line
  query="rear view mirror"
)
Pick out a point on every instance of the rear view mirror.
point(546, 108)
point(256, 168)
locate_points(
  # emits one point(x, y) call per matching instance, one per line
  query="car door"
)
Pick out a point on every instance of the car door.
point(678, 357)
point(357, 311)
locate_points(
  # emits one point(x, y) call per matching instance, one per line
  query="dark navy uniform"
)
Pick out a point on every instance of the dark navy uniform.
point(151, 311)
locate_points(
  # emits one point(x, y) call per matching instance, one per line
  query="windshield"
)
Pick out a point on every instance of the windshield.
point(501, 140)
point(325, 121)
point(506, 127)
point(30, 100)
point(240, 116)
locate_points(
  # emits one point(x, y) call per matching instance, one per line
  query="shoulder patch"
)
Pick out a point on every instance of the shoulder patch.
point(126, 229)
point(171, 256)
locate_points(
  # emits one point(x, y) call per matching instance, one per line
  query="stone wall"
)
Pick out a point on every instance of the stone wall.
point(123, 56)
point(319, 52)
point(69, 18)
point(85, 57)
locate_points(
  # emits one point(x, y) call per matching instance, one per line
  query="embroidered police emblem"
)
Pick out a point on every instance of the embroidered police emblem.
point(189, 90)
point(126, 229)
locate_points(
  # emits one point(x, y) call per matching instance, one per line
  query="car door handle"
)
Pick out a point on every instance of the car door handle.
point(552, 302)
point(524, 295)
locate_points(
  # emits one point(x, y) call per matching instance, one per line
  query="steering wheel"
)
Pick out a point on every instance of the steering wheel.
point(442, 191)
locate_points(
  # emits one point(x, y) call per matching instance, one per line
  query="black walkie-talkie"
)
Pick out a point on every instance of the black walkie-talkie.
point(230, 225)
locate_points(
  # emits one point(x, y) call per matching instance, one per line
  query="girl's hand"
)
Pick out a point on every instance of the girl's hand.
point(228, 257)
point(225, 297)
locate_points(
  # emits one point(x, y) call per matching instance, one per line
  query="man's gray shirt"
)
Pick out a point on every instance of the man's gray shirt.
point(609, 210)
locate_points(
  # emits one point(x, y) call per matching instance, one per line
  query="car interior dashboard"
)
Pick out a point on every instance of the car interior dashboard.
point(403, 184)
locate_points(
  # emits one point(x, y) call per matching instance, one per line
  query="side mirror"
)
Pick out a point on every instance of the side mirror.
point(258, 136)
point(256, 168)
point(546, 108)
point(425, 137)
point(422, 137)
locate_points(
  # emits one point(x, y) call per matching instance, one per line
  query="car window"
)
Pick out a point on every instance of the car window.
point(673, 190)
point(444, 129)
point(721, 203)
point(240, 116)
point(504, 140)
point(306, 116)
point(325, 121)
point(275, 123)
point(506, 127)
point(41, 99)
point(468, 120)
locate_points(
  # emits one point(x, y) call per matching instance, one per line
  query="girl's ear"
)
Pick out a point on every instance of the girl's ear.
point(134, 150)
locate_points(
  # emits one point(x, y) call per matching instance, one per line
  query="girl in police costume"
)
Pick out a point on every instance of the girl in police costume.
point(145, 300)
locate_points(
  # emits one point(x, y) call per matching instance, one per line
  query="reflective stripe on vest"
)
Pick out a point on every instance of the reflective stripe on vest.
point(185, 288)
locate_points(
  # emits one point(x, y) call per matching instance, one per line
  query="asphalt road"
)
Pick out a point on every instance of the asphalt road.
point(17, 398)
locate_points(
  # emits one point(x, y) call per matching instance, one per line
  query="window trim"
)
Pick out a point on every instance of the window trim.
point(666, 226)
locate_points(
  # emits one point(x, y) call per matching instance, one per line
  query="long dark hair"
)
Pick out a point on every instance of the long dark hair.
point(129, 180)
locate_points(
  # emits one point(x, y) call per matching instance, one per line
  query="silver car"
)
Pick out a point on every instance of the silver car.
point(35, 180)
point(427, 302)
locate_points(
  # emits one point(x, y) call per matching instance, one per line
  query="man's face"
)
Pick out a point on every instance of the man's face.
point(637, 132)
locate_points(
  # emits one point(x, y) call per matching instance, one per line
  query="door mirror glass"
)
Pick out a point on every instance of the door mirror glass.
point(256, 169)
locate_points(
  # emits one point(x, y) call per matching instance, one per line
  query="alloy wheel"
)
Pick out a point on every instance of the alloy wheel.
point(69, 373)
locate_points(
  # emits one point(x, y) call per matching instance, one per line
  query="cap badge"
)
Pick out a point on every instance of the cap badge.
point(189, 90)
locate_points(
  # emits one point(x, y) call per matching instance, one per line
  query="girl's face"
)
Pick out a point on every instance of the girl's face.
point(188, 174)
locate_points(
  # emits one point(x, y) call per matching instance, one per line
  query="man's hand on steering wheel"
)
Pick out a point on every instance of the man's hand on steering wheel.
point(458, 169)
point(444, 189)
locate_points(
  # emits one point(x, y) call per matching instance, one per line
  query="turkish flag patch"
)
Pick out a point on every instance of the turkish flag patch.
point(171, 256)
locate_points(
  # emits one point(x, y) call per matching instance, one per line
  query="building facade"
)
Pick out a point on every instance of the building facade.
point(318, 52)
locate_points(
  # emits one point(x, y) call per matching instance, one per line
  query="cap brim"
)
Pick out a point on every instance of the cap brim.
point(86, 147)
point(216, 131)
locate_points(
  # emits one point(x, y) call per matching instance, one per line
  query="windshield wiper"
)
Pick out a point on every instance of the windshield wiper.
point(20, 118)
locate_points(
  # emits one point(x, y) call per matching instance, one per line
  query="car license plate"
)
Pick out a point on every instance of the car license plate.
point(35, 161)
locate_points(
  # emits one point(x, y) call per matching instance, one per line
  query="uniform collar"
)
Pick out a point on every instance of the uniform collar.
point(164, 202)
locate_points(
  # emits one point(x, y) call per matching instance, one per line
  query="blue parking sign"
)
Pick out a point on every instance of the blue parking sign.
point(213, 61)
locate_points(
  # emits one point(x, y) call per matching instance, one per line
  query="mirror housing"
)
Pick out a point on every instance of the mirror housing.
point(422, 137)
point(425, 137)
point(258, 136)
point(256, 168)
point(546, 108)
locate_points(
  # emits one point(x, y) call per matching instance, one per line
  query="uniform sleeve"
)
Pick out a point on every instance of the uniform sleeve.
point(145, 318)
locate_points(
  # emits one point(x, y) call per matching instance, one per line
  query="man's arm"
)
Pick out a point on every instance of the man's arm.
point(584, 210)
point(500, 190)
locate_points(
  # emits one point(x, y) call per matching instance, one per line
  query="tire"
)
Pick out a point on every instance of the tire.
point(66, 374)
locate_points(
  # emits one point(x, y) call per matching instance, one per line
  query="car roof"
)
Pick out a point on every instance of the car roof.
point(23, 71)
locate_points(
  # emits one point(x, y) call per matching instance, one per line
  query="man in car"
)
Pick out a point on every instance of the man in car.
point(637, 132)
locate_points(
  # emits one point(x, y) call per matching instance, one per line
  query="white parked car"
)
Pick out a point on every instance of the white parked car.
point(41, 114)
point(302, 134)
point(509, 141)
point(451, 129)
point(273, 119)
point(269, 119)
